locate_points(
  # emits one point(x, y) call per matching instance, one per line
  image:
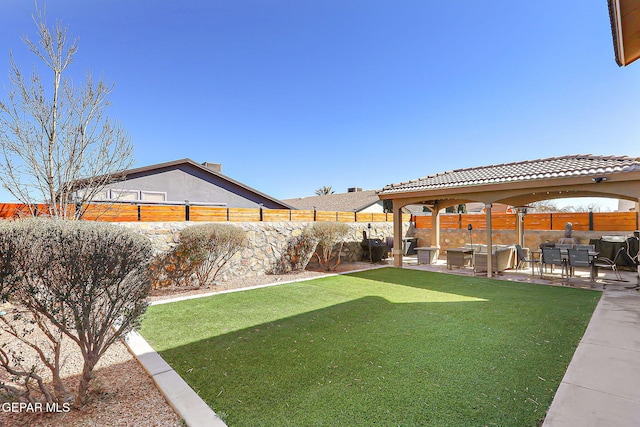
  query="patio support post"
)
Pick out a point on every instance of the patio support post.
point(397, 234)
point(520, 226)
point(487, 207)
point(435, 229)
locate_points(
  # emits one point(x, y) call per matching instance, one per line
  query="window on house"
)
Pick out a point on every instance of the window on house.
point(125, 195)
point(153, 196)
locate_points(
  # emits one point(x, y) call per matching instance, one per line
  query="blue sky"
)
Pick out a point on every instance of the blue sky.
point(292, 95)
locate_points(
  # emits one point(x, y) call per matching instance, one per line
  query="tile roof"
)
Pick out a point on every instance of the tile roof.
point(529, 170)
point(342, 202)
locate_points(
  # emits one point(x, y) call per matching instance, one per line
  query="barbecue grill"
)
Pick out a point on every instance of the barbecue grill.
point(375, 250)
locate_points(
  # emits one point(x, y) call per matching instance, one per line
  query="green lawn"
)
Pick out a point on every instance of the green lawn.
point(387, 347)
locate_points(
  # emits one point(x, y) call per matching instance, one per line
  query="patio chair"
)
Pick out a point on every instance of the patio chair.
point(590, 248)
point(552, 256)
point(610, 264)
point(522, 259)
point(579, 258)
point(564, 247)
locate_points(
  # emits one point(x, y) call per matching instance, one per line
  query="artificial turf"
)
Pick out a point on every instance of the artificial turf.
point(390, 347)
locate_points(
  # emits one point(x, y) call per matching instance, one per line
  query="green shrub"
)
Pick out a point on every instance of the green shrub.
point(328, 235)
point(84, 280)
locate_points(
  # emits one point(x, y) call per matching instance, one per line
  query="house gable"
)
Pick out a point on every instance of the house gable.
point(187, 180)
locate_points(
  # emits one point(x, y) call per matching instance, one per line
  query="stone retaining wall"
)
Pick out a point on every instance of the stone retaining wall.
point(266, 242)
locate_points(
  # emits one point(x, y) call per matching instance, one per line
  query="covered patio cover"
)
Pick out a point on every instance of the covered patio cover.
point(625, 28)
point(515, 184)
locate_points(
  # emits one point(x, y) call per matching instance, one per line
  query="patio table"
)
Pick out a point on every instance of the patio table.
point(459, 257)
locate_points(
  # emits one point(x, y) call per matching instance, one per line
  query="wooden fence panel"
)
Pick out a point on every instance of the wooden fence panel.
point(302, 215)
point(13, 210)
point(579, 220)
point(622, 221)
point(506, 221)
point(477, 221)
point(364, 217)
point(207, 213)
point(157, 213)
point(449, 221)
point(244, 215)
point(423, 221)
point(275, 214)
point(537, 221)
point(381, 217)
point(111, 213)
point(325, 216)
point(346, 216)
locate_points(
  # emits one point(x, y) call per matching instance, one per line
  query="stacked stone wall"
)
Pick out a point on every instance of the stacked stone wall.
point(266, 241)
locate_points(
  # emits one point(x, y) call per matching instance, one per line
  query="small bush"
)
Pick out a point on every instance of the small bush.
point(297, 254)
point(328, 235)
point(207, 248)
point(172, 268)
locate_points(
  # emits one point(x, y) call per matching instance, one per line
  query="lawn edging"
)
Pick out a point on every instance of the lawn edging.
point(186, 402)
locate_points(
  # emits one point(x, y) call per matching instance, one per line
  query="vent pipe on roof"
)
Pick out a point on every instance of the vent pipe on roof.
point(353, 189)
point(216, 167)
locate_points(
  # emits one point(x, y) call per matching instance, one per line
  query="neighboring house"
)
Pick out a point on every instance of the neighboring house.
point(354, 200)
point(182, 180)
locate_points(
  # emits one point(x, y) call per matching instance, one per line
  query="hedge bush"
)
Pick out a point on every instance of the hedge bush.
point(87, 281)
point(203, 251)
point(328, 235)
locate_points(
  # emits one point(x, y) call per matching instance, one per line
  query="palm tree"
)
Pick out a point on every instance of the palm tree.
point(323, 191)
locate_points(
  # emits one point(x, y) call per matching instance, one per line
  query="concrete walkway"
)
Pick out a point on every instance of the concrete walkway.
point(602, 384)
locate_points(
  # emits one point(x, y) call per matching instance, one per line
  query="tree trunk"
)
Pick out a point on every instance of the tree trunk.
point(87, 371)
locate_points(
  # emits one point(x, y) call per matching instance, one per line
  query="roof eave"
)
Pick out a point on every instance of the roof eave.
point(616, 31)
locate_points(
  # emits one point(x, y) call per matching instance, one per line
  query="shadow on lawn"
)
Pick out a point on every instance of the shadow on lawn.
point(371, 361)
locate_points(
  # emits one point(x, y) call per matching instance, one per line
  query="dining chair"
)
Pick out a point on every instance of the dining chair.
point(522, 259)
point(610, 264)
point(590, 248)
point(579, 258)
point(552, 256)
point(564, 247)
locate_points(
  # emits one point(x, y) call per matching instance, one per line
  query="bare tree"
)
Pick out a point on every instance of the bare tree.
point(325, 190)
point(329, 235)
point(544, 206)
point(51, 138)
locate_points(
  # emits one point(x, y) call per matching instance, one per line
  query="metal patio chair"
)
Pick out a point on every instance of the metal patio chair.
point(579, 258)
point(522, 259)
point(610, 264)
point(552, 256)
